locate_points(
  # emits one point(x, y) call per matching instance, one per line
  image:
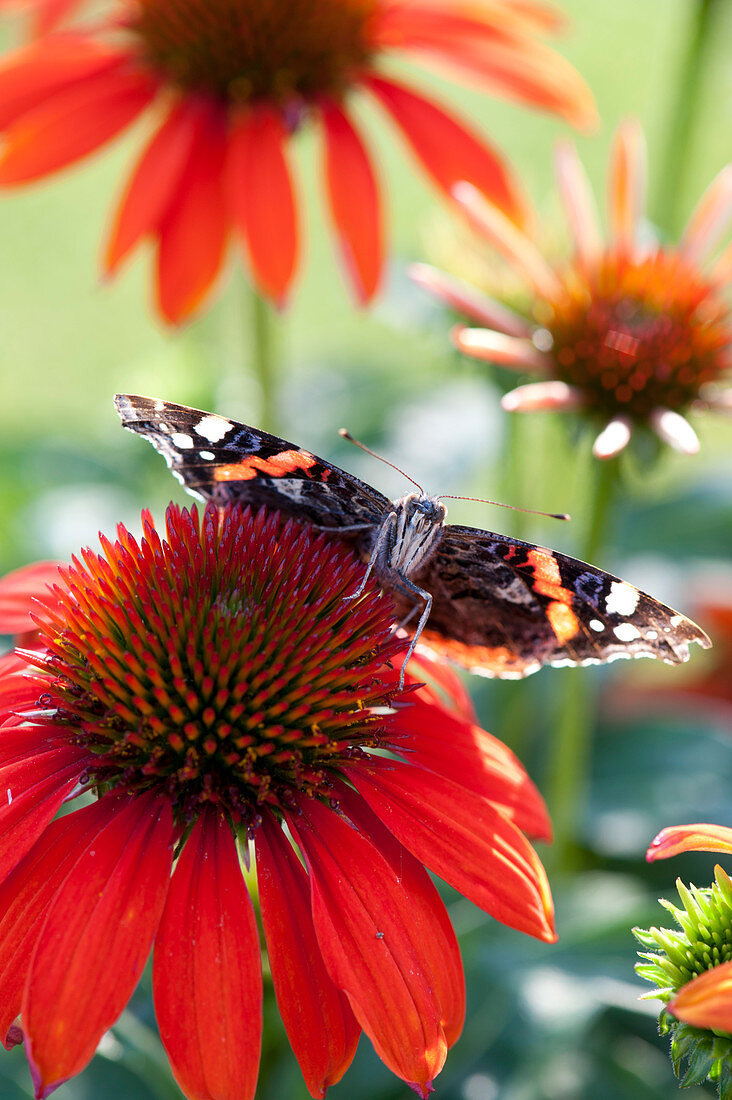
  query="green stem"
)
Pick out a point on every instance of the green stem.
point(570, 754)
point(264, 355)
point(685, 109)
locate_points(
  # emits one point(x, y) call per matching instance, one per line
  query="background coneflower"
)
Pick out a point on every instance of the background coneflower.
point(632, 332)
point(231, 81)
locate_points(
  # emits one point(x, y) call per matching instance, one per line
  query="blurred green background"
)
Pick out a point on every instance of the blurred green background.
point(543, 1023)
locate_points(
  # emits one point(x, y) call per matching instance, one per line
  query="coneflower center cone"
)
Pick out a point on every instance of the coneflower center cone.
point(277, 51)
point(635, 336)
point(220, 665)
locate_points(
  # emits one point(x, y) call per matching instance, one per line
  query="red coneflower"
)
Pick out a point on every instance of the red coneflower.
point(214, 688)
point(631, 331)
point(231, 81)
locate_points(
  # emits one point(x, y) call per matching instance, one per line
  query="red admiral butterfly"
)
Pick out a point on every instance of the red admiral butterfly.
point(492, 604)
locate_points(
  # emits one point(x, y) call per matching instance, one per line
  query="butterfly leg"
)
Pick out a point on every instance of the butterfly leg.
point(381, 538)
point(403, 584)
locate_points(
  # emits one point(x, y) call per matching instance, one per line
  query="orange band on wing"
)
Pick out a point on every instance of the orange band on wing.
point(547, 581)
point(562, 620)
point(286, 462)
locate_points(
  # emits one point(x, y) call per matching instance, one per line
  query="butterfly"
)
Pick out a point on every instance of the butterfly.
point(493, 604)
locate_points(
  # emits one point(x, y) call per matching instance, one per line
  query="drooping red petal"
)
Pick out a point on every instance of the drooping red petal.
point(472, 757)
point(24, 898)
point(207, 974)
point(436, 931)
point(464, 840)
point(370, 943)
point(354, 201)
point(19, 592)
point(706, 1001)
point(29, 76)
point(31, 791)
point(428, 666)
point(262, 200)
point(194, 229)
point(97, 935)
point(320, 1025)
point(17, 687)
point(72, 124)
point(699, 837)
point(513, 66)
point(51, 13)
point(446, 146)
point(156, 178)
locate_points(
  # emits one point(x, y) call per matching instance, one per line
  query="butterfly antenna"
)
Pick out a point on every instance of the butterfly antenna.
point(347, 435)
point(513, 507)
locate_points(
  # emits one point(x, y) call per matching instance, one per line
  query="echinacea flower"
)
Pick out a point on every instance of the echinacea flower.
point(225, 84)
point(693, 967)
point(215, 690)
point(631, 331)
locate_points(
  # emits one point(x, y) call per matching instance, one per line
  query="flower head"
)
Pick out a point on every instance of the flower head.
point(694, 970)
point(229, 83)
point(213, 688)
point(631, 331)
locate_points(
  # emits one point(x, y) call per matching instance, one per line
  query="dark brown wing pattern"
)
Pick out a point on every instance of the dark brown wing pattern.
point(505, 608)
point(216, 458)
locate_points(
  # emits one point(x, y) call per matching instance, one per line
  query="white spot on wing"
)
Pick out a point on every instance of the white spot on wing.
point(626, 632)
point(208, 455)
point(622, 599)
point(597, 625)
point(651, 635)
point(677, 620)
point(180, 439)
point(213, 428)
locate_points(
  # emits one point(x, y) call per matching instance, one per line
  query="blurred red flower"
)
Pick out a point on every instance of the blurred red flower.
point(230, 82)
point(631, 331)
point(214, 690)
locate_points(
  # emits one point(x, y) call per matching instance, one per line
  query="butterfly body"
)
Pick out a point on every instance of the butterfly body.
point(496, 605)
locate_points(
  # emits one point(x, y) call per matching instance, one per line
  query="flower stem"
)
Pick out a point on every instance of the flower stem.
point(264, 355)
point(685, 109)
point(570, 753)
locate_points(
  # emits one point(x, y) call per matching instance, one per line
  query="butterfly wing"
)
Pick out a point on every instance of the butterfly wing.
point(218, 459)
point(505, 608)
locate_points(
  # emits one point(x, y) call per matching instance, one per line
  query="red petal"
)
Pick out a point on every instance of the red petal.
point(262, 200)
point(473, 758)
point(464, 840)
point(436, 931)
point(207, 974)
point(355, 206)
point(430, 667)
point(31, 791)
point(29, 76)
point(318, 1019)
point(97, 935)
point(371, 944)
point(706, 1001)
point(193, 231)
point(689, 838)
point(447, 148)
point(72, 124)
point(24, 898)
point(20, 591)
point(50, 13)
point(156, 178)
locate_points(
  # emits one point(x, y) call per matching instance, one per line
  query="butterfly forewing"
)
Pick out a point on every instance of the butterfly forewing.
point(218, 459)
point(505, 608)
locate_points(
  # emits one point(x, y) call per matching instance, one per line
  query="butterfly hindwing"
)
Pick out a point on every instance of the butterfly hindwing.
point(505, 608)
point(218, 459)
